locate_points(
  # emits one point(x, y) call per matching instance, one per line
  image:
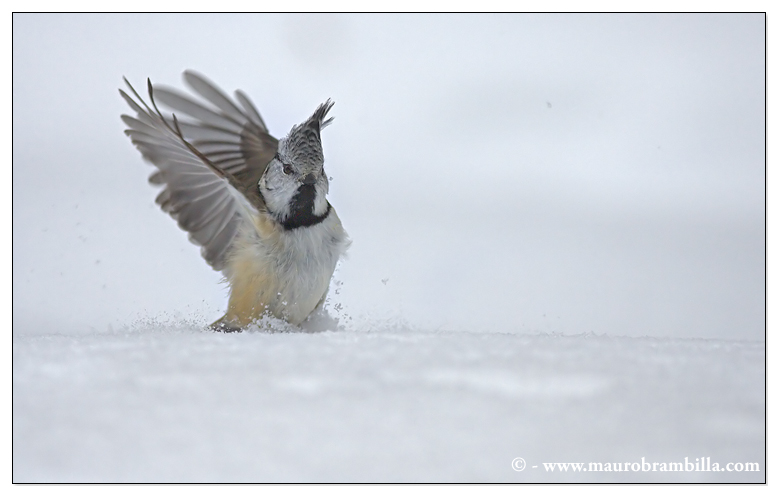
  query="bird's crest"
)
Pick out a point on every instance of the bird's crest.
point(303, 143)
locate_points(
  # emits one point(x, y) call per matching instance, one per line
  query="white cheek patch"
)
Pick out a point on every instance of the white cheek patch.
point(278, 196)
point(320, 202)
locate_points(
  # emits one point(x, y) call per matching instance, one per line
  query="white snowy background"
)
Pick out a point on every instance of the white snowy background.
point(559, 252)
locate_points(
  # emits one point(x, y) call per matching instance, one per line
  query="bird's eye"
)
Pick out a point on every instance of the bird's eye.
point(288, 169)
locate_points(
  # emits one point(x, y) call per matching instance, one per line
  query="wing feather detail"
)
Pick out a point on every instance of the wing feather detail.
point(209, 156)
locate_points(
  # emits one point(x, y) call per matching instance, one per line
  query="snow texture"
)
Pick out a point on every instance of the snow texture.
point(173, 402)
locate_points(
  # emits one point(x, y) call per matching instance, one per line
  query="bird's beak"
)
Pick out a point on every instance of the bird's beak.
point(309, 178)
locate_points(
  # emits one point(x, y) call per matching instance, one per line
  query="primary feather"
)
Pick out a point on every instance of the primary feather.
point(204, 203)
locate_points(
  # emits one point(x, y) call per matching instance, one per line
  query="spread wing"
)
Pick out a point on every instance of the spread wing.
point(209, 161)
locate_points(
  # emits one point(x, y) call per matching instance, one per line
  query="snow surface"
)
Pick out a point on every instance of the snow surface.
point(381, 402)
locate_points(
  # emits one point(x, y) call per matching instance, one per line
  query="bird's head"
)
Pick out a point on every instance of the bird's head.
point(294, 185)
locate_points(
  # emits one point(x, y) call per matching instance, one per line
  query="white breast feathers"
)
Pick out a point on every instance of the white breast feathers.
point(285, 273)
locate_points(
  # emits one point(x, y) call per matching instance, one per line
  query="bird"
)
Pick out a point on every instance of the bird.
point(256, 205)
